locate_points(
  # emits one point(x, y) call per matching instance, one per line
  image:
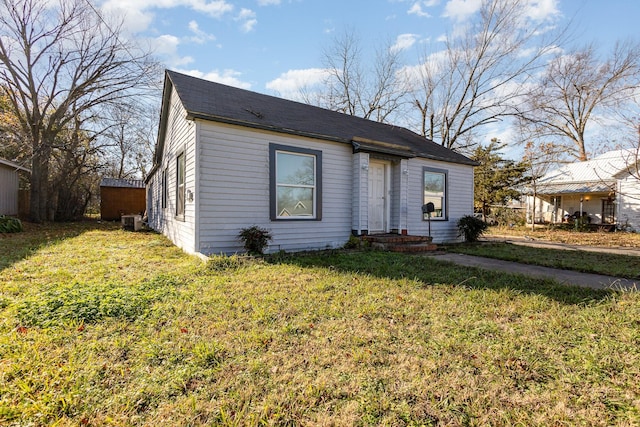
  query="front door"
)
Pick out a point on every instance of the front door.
point(377, 197)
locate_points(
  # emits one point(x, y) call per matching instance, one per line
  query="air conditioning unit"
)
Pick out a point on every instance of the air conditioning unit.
point(132, 222)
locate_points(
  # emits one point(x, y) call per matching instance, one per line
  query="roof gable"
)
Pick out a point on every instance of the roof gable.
point(207, 100)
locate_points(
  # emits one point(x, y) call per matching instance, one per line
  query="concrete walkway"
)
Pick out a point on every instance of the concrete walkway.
point(568, 277)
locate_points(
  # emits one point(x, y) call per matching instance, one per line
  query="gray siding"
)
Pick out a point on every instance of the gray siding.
point(8, 190)
point(233, 191)
point(180, 137)
point(459, 199)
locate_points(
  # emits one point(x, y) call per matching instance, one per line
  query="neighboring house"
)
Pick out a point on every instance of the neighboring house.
point(228, 158)
point(606, 190)
point(121, 196)
point(10, 187)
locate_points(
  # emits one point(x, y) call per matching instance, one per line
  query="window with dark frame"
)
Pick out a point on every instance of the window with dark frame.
point(164, 189)
point(180, 185)
point(435, 191)
point(608, 211)
point(295, 183)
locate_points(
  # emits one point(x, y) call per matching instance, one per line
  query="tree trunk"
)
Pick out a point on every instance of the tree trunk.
point(39, 196)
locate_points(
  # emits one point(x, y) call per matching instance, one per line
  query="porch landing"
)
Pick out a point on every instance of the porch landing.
point(400, 243)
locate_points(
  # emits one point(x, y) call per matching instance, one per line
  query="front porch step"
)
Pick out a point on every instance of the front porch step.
point(400, 243)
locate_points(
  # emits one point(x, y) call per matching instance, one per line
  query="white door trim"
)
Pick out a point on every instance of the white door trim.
point(386, 206)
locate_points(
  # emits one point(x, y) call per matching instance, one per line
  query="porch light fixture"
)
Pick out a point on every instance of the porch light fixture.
point(189, 196)
point(365, 167)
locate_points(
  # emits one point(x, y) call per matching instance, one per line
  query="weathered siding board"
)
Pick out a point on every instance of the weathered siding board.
point(9, 182)
point(459, 199)
point(234, 190)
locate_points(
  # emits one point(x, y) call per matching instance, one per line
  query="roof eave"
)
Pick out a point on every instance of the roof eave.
point(14, 166)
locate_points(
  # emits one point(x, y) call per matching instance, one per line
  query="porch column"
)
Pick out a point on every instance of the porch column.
point(404, 196)
point(360, 196)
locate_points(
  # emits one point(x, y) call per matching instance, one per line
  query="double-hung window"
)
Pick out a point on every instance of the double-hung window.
point(295, 183)
point(180, 185)
point(435, 191)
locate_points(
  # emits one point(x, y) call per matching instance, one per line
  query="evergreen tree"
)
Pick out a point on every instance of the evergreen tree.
point(496, 179)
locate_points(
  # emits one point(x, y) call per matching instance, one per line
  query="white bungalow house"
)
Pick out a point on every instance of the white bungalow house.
point(605, 190)
point(228, 158)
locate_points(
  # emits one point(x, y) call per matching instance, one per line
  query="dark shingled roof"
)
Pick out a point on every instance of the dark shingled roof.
point(217, 102)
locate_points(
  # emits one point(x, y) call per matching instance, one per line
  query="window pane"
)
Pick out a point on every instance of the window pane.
point(433, 183)
point(295, 169)
point(180, 184)
point(437, 204)
point(295, 201)
point(434, 192)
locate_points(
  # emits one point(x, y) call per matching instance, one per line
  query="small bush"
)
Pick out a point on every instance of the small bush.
point(10, 225)
point(354, 242)
point(255, 239)
point(471, 228)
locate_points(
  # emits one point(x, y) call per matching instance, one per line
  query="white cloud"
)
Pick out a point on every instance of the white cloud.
point(292, 83)
point(460, 10)
point(403, 42)
point(248, 19)
point(227, 77)
point(166, 47)
point(138, 15)
point(416, 9)
point(135, 20)
point(199, 35)
point(541, 10)
point(268, 2)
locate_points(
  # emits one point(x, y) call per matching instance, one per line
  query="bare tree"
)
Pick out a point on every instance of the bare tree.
point(576, 86)
point(129, 139)
point(479, 78)
point(373, 92)
point(538, 158)
point(59, 61)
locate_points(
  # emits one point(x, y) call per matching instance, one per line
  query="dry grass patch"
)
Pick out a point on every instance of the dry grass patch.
point(551, 234)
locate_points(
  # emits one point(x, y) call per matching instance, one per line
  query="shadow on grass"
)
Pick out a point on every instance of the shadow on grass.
point(15, 247)
point(431, 271)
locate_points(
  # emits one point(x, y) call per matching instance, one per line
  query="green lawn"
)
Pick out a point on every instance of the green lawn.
point(105, 327)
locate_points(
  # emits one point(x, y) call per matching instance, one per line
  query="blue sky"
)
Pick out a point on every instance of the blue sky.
point(271, 46)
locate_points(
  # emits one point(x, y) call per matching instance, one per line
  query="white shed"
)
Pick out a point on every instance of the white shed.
point(10, 186)
point(229, 158)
